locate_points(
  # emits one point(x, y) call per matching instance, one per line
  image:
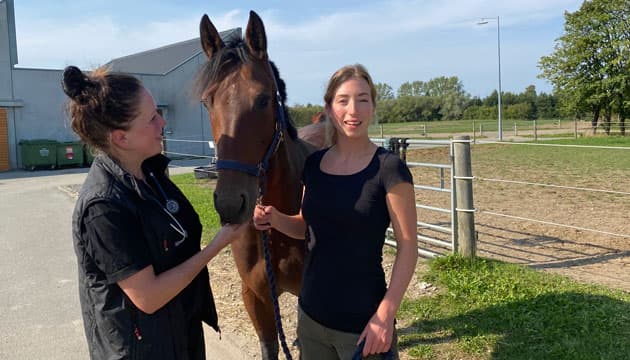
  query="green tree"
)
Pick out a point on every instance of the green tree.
point(547, 106)
point(415, 88)
point(589, 67)
point(383, 92)
point(303, 114)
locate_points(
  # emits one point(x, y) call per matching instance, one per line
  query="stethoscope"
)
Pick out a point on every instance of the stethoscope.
point(171, 207)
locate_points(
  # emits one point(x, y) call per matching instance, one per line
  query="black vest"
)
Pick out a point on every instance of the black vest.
point(111, 320)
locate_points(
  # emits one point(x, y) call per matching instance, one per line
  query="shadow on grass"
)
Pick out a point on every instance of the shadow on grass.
point(552, 326)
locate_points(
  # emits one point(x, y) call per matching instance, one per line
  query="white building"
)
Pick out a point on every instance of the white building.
point(32, 101)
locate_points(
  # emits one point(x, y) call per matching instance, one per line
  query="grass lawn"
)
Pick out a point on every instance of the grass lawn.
point(492, 310)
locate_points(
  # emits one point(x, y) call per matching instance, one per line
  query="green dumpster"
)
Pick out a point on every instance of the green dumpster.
point(70, 153)
point(38, 153)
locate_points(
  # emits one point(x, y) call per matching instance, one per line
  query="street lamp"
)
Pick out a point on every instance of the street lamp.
point(484, 21)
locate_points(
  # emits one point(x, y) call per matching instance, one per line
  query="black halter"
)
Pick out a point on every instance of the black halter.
point(259, 170)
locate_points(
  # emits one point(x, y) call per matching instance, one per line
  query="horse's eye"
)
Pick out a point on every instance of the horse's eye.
point(262, 100)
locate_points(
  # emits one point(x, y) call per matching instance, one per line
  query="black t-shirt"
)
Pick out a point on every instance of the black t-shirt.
point(347, 218)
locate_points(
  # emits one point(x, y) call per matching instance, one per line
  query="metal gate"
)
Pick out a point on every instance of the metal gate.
point(447, 185)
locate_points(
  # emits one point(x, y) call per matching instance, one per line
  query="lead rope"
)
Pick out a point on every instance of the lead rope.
point(265, 237)
point(272, 287)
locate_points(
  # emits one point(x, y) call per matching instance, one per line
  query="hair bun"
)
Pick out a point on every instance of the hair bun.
point(74, 82)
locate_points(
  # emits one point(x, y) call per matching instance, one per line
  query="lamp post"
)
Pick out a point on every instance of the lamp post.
point(484, 21)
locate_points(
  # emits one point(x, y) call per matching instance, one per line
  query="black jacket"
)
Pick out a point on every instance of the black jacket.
point(119, 227)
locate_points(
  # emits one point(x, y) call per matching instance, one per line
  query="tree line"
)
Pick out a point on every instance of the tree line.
point(443, 98)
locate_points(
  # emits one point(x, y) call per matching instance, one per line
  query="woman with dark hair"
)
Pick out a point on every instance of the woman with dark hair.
point(353, 189)
point(143, 282)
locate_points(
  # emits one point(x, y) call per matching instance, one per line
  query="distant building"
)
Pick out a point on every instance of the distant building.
point(32, 101)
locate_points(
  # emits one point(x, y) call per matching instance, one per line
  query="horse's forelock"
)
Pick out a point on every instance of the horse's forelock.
point(219, 66)
point(231, 56)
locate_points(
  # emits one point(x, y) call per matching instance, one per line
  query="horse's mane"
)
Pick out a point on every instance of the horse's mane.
point(225, 61)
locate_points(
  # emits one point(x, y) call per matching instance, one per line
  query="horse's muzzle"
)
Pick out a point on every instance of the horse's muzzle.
point(235, 200)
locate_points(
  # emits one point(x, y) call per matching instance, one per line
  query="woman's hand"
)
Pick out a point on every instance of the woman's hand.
point(379, 332)
point(263, 217)
point(225, 235)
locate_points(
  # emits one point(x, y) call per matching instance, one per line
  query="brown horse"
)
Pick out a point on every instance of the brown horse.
point(244, 95)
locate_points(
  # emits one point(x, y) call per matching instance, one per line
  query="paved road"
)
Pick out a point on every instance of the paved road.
point(40, 316)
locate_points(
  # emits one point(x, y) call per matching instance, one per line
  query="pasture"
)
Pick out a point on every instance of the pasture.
point(415, 129)
point(512, 128)
point(542, 206)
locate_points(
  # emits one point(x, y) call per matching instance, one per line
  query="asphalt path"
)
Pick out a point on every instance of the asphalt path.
point(40, 315)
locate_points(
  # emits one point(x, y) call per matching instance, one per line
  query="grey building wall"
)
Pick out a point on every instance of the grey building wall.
point(42, 116)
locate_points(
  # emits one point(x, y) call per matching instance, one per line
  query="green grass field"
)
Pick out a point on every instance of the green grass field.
point(492, 310)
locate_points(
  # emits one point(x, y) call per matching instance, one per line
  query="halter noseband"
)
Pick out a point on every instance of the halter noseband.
point(259, 170)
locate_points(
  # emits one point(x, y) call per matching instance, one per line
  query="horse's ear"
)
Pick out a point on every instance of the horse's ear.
point(210, 38)
point(255, 37)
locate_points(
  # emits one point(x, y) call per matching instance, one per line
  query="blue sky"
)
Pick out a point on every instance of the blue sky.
point(397, 41)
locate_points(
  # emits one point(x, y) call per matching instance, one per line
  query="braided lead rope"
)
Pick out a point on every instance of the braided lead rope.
point(274, 296)
point(280, 126)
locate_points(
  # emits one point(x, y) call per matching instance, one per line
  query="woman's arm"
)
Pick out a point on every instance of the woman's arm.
point(402, 211)
point(150, 292)
point(267, 217)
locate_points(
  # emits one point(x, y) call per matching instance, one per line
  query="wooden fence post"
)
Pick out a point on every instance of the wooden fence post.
point(467, 242)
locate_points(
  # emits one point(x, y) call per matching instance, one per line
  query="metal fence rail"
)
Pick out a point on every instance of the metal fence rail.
point(423, 239)
point(555, 186)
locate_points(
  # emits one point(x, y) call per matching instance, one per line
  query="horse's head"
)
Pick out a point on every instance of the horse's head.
point(237, 87)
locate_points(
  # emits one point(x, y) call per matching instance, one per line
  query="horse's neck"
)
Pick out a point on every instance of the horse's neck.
point(284, 185)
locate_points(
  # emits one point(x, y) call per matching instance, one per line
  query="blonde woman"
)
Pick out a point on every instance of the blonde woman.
point(352, 191)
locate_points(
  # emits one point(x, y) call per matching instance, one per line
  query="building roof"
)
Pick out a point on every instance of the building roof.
point(162, 60)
